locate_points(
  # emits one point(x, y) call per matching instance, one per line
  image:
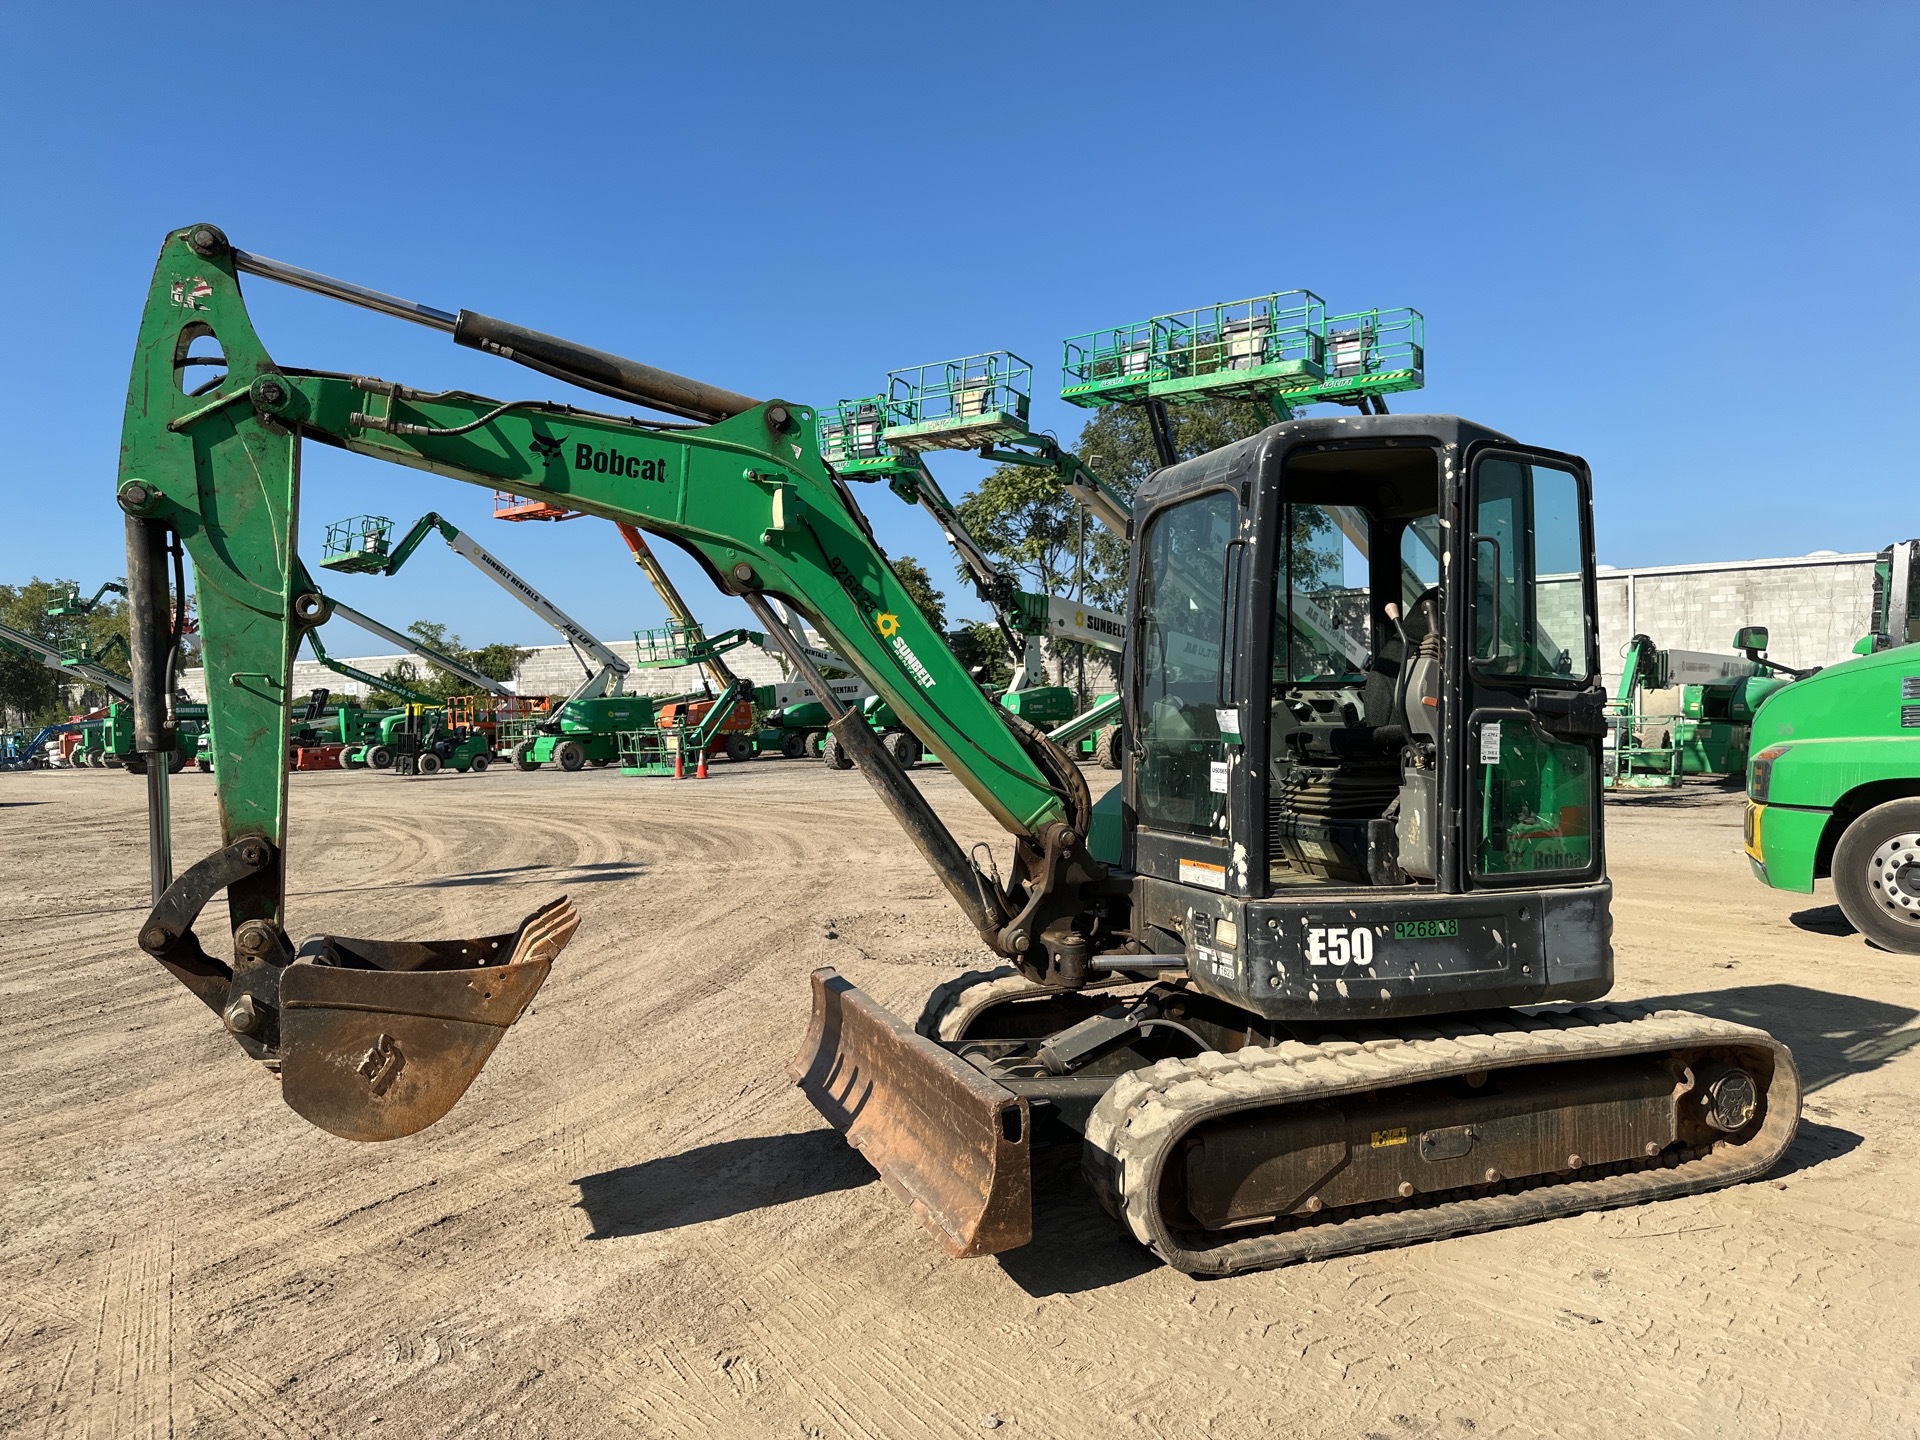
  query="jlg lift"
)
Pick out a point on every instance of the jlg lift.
point(1274, 995)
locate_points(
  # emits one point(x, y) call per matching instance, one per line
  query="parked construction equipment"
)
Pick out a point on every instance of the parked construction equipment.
point(1267, 979)
point(19, 751)
point(1279, 352)
point(1833, 788)
point(1685, 712)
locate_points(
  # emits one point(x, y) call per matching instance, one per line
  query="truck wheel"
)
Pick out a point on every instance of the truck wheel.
point(793, 745)
point(428, 763)
point(904, 746)
point(134, 764)
point(480, 763)
point(739, 749)
point(1876, 875)
point(816, 742)
point(571, 754)
point(1106, 748)
point(522, 756)
point(380, 757)
point(205, 766)
point(835, 757)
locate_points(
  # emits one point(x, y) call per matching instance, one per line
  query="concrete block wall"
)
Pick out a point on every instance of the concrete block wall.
point(1814, 607)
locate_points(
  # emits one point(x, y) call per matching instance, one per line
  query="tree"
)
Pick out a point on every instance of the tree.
point(30, 691)
point(1027, 523)
point(914, 579)
point(979, 646)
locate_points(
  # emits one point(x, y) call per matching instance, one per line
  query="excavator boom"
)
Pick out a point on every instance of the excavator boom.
point(374, 1039)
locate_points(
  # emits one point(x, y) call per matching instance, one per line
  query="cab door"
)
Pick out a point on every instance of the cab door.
point(1534, 708)
point(1187, 568)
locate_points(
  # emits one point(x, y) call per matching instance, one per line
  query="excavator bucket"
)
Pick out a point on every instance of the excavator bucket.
point(378, 1038)
point(950, 1141)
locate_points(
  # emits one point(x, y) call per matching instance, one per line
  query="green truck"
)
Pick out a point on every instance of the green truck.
point(1833, 788)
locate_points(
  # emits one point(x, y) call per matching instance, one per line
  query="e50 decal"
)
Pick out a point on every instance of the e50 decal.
point(1333, 945)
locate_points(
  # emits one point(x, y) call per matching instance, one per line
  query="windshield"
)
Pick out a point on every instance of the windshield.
point(1530, 605)
point(1324, 628)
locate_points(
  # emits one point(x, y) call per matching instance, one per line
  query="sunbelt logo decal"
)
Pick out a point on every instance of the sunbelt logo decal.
point(888, 625)
point(885, 622)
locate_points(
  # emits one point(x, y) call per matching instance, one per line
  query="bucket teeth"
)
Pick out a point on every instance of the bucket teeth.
point(379, 1038)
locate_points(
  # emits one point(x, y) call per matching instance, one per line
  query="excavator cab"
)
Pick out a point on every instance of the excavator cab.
point(1347, 631)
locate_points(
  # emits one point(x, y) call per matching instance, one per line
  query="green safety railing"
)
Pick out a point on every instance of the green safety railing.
point(361, 542)
point(959, 404)
point(853, 438)
point(674, 644)
point(1268, 341)
point(1117, 365)
point(1252, 347)
point(1374, 352)
point(1281, 349)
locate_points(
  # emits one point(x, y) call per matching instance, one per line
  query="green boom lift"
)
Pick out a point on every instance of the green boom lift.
point(1685, 712)
point(1272, 1000)
point(1833, 788)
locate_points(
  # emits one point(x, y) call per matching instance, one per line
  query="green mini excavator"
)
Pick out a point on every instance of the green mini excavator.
point(1290, 987)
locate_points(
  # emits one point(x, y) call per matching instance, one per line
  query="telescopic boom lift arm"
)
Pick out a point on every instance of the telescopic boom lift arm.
point(613, 670)
point(373, 682)
point(406, 642)
point(50, 656)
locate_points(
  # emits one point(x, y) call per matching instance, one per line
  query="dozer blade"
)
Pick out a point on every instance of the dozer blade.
point(378, 1038)
point(950, 1141)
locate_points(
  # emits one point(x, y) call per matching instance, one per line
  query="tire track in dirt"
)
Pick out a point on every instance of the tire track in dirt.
point(746, 1284)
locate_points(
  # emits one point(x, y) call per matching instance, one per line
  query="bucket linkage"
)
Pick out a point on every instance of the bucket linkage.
point(373, 1039)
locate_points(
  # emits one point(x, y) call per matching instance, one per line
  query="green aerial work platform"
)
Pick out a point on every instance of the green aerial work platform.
point(1281, 351)
point(958, 404)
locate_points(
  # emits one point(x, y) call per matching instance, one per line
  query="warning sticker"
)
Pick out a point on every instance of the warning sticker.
point(1383, 1138)
point(1217, 776)
point(1490, 743)
point(1199, 872)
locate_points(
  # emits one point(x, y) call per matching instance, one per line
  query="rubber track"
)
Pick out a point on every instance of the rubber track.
point(1136, 1127)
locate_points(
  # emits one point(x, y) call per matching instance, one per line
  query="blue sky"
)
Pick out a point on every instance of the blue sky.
point(1678, 239)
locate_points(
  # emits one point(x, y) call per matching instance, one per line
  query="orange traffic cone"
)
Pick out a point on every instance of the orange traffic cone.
point(701, 772)
point(679, 763)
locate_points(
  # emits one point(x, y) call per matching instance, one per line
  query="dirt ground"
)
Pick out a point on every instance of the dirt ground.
point(632, 1225)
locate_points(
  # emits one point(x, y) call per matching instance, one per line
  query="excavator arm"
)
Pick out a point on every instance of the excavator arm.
point(378, 1038)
